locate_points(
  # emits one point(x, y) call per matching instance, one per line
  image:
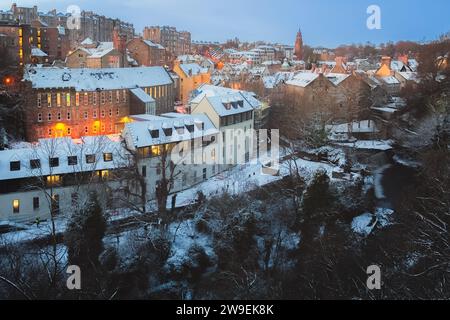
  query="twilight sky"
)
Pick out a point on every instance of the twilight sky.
point(323, 22)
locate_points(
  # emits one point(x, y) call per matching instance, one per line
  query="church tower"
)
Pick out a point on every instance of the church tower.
point(299, 45)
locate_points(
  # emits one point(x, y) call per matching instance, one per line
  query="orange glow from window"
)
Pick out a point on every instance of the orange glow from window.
point(60, 126)
point(126, 120)
point(8, 80)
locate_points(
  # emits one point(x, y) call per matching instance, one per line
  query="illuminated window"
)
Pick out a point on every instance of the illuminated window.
point(16, 206)
point(86, 99)
point(107, 157)
point(58, 99)
point(39, 100)
point(68, 99)
point(20, 32)
point(104, 174)
point(77, 99)
point(49, 100)
point(53, 180)
point(156, 151)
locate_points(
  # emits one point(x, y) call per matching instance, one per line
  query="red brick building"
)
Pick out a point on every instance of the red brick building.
point(86, 102)
point(147, 53)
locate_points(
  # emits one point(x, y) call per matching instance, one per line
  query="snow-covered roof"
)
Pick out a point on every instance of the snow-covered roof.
point(193, 69)
point(410, 76)
point(364, 126)
point(142, 95)
point(62, 148)
point(102, 49)
point(87, 42)
point(391, 80)
point(207, 90)
point(153, 44)
point(93, 79)
point(336, 78)
point(303, 79)
point(139, 132)
point(36, 52)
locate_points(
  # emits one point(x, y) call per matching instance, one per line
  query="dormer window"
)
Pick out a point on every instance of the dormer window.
point(241, 103)
point(190, 128)
point(235, 105)
point(154, 133)
point(168, 132)
point(14, 166)
point(227, 105)
point(54, 162)
point(35, 164)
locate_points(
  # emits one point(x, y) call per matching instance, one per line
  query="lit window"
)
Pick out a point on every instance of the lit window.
point(86, 99)
point(77, 99)
point(52, 180)
point(16, 206)
point(68, 99)
point(156, 151)
point(107, 157)
point(49, 100)
point(58, 99)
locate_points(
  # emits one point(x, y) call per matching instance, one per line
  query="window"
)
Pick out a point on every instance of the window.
point(103, 97)
point(39, 100)
point(16, 206)
point(14, 166)
point(72, 160)
point(204, 173)
point(90, 158)
point(94, 114)
point(54, 162)
point(53, 180)
point(69, 131)
point(110, 96)
point(49, 100)
point(68, 99)
point(35, 203)
point(107, 157)
point(58, 99)
point(94, 97)
point(39, 117)
point(69, 115)
point(58, 116)
point(85, 115)
point(50, 132)
point(49, 116)
point(35, 164)
point(118, 111)
point(103, 127)
point(77, 99)
point(117, 96)
point(75, 198)
point(144, 171)
point(102, 113)
point(110, 113)
point(124, 95)
point(86, 99)
point(86, 130)
point(154, 134)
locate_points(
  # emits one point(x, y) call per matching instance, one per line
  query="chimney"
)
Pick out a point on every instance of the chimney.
point(386, 61)
point(119, 41)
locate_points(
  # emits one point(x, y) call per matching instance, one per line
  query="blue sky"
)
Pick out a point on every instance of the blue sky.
point(323, 22)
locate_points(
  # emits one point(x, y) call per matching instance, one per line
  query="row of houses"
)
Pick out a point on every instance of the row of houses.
point(53, 176)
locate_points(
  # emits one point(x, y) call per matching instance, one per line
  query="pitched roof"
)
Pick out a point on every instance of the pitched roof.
point(192, 69)
point(93, 79)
